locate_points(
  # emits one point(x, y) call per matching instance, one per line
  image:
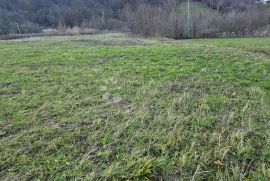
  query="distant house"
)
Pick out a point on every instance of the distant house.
point(263, 1)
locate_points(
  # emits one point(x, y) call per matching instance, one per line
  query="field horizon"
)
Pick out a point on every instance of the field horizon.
point(120, 107)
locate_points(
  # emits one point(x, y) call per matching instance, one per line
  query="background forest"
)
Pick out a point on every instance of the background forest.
point(168, 18)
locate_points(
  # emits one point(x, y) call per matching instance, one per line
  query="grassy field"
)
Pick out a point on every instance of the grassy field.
point(116, 107)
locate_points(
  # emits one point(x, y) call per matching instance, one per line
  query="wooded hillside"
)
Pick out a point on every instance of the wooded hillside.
point(148, 17)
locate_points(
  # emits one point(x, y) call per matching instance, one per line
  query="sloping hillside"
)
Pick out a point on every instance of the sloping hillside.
point(32, 16)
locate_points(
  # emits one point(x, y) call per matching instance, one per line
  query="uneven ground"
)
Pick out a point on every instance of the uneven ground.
point(113, 107)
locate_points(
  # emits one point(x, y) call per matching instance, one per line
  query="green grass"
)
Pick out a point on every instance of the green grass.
point(114, 107)
point(197, 7)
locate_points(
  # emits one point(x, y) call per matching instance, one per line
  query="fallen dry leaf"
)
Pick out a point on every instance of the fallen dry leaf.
point(2, 133)
point(218, 163)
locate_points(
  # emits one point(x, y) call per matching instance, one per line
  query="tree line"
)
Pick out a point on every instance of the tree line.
point(169, 18)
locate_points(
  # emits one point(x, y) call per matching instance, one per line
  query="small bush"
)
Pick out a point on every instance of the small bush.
point(74, 31)
point(50, 31)
point(263, 32)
